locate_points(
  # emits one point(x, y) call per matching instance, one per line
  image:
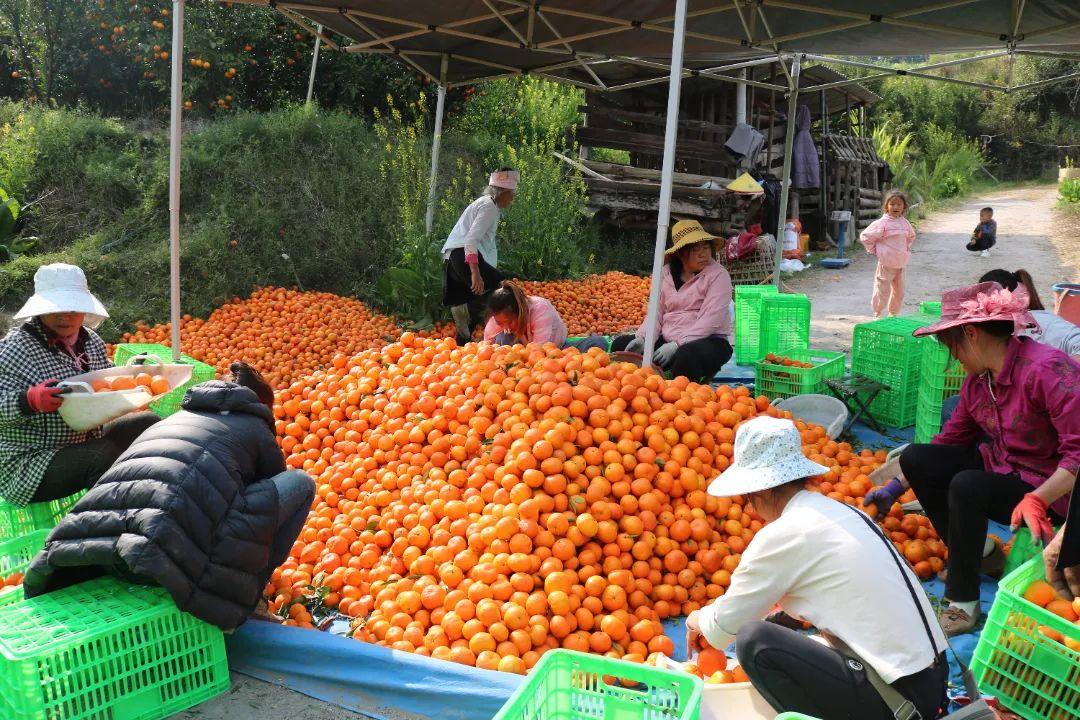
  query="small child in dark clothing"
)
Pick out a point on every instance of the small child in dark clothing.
point(985, 234)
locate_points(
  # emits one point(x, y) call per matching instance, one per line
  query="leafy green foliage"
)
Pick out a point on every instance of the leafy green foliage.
point(1070, 191)
point(943, 167)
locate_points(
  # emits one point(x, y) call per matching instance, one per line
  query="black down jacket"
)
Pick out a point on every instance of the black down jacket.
point(190, 506)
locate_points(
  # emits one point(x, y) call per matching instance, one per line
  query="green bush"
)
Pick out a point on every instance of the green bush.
point(1070, 190)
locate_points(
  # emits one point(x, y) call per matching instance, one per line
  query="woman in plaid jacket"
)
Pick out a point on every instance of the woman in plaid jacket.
point(41, 458)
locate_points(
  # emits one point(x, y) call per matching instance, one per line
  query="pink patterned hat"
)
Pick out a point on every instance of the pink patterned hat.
point(984, 302)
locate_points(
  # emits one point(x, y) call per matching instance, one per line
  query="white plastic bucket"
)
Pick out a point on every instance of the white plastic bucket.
point(83, 409)
point(823, 410)
point(734, 701)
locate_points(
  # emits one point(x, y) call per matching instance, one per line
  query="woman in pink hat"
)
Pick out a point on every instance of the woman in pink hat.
point(471, 256)
point(1023, 397)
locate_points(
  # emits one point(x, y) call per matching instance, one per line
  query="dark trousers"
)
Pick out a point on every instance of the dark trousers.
point(457, 287)
point(698, 360)
point(960, 497)
point(77, 467)
point(796, 674)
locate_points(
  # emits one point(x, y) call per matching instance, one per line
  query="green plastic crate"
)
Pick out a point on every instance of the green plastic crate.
point(941, 377)
point(1022, 550)
point(784, 324)
point(169, 403)
point(747, 319)
point(568, 685)
point(885, 350)
point(930, 308)
point(17, 521)
point(794, 716)
point(1029, 674)
point(779, 381)
point(106, 650)
point(15, 557)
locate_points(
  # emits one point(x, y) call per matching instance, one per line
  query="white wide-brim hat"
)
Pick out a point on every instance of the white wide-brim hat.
point(62, 288)
point(768, 452)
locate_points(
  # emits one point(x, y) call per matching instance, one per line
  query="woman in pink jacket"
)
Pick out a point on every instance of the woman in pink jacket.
point(695, 308)
point(525, 319)
point(890, 238)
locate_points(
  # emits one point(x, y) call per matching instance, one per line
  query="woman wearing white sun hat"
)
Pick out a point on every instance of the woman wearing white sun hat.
point(826, 563)
point(41, 458)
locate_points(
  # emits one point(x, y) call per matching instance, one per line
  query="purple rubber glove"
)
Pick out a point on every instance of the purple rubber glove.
point(883, 497)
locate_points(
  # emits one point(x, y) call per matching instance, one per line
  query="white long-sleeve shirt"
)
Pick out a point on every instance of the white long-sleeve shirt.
point(475, 231)
point(823, 564)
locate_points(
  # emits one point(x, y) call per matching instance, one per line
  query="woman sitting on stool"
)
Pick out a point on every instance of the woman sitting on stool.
point(201, 504)
point(520, 318)
point(41, 458)
point(694, 321)
point(1023, 397)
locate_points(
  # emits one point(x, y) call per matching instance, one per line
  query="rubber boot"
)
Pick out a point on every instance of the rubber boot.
point(461, 317)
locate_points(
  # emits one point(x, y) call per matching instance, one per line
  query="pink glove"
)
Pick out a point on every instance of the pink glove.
point(1032, 512)
point(45, 397)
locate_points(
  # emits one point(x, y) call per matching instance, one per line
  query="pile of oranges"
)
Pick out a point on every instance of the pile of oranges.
point(285, 334)
point(10, 582)
point(772, 359)
point(598, 304)
point(485, 504)
point(156, 385)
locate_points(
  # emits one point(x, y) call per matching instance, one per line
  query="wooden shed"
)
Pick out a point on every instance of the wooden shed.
point(621, 145)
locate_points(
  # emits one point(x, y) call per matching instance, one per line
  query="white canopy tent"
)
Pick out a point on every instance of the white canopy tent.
point(611, 45)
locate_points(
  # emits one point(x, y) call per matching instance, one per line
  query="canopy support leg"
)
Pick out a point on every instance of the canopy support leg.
point(436, 146)
point(314, 64)
point(667, 174)
point(176, 106)
point(789, 142)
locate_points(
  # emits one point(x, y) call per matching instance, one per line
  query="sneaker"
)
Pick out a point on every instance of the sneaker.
point(955, 621)
point(984, 253)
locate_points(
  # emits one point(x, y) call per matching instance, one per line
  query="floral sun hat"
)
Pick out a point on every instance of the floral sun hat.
point(768, 452)
point(984, 302)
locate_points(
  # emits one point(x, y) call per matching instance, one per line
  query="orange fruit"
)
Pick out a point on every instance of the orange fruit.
point(1040, 592)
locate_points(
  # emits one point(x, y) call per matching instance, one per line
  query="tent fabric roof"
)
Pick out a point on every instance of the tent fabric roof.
point(607, 43)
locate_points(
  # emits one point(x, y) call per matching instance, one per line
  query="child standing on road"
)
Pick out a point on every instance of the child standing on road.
point(985, 234)
point(890, 238)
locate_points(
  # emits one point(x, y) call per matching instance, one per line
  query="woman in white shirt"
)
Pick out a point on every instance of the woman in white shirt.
point(826, 563)
point(470, 255)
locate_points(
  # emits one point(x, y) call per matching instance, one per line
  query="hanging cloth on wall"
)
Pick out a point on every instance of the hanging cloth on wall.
point(745, 143)
point(805, 170)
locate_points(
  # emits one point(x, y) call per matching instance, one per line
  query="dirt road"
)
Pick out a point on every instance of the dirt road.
point(1032, 234)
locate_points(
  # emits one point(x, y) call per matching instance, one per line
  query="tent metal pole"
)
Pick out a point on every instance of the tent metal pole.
point(740, 99)
point(789, 143)
point(314, 64)
point(667, 175)
point(436, 146)
point(176, 105)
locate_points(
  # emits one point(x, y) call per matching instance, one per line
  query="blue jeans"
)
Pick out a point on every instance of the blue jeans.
point(295, 490)
point(948, 407)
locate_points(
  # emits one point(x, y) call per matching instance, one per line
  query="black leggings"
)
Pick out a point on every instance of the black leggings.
point(960, 497)
point(797, 674)
point(698, 360)
point(77, 467)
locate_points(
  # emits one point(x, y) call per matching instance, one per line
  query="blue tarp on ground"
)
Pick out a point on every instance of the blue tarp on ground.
point(390, 685)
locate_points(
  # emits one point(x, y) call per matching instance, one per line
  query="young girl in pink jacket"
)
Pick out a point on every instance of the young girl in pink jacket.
point(890, 238)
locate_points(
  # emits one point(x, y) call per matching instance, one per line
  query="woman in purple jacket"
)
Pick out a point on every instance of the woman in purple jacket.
point(1024, 398)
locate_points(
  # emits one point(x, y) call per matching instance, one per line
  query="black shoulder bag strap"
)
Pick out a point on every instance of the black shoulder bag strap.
point(978, 707)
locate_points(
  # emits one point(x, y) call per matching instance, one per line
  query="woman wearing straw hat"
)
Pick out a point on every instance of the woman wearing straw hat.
point(694, 323)
point(470, 254)
point(826, 563)
point(41, 458)
point(1011, 450)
